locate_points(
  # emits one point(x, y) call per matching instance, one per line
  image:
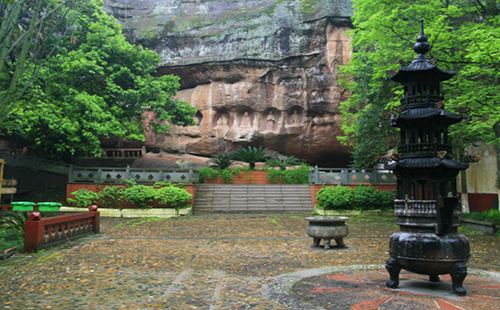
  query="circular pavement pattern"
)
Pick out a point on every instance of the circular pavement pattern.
point(363, 287)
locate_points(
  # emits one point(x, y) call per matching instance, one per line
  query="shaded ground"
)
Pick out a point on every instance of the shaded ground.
point(210, 261)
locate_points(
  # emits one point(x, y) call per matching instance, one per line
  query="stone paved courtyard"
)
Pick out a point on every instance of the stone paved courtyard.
point(235, 261)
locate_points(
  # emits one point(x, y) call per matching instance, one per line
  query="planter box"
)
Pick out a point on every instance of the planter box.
point(23, 206)
point(488, 228)
point(110, 212)
point(246, 177)
point(354, 212)
point(49, 206)
point(154, 212)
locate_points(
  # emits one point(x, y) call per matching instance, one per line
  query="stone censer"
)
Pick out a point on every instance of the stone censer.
point(427, 203)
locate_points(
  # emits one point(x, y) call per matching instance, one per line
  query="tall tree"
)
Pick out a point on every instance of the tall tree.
point(95, 85)
point(29, 33)
point(464, 35)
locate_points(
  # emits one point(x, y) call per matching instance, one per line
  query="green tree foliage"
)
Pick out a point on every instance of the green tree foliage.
point(464, 34)
point(96, 85)
point(30, 32)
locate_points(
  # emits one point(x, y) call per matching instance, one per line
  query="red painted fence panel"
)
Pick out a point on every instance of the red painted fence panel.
point(40, 232)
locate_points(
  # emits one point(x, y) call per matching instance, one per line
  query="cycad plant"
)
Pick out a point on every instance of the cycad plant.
point(251, 155)
point(283, 161)
point(14, 221)
point(221, 161)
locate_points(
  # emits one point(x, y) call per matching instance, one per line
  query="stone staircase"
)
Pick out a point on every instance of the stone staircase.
point(253, 198)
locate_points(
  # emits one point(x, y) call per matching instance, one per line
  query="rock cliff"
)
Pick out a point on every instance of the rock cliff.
point(259, 72)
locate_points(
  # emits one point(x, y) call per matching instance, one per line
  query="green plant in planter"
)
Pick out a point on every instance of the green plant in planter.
point(335, 198)
point(227, 176)
point(207, 173)
point(83, 198)
point(140, 195)
point(298, 175)
point(173, 196)
point(111, 196)
point(283, 161)
point(162, 184)
point(221, 161)
point(251, 155)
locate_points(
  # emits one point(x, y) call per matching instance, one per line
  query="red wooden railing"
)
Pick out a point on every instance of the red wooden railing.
point(41, 232)
point(119, 152)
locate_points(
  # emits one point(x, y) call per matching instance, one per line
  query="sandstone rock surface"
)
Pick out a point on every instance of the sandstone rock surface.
point(258, 72)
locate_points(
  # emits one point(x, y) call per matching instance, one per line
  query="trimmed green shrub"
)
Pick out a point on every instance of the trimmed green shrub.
point(292, 176)
point(111, 196)
point(83, 198)
point(369, 198)
point(140, 195)
point(385, 200)
point(335, 198)
point(173, 196)
point(364, 198)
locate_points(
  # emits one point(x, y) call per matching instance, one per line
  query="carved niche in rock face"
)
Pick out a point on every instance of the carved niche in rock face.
point(270, 122)
point(245, 122)
point(294, 118)
point(198, 117)
point(222, 120)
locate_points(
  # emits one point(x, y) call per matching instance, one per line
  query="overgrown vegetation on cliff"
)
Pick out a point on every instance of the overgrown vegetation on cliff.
point(464, 34)
point(72, 79)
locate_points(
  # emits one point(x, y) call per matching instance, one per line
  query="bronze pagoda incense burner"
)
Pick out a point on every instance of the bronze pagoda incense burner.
point(427, 203)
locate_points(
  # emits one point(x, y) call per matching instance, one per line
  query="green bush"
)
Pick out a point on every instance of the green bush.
point(489, 216)
point(335, 198)
point(386, 200)
point(227, 176)
point(111, 196)
point(83, 198)
point(292, 176)
point(173, 196)
point(207, 173)
point(369, 198)
point(364, 198)
point(140, 195)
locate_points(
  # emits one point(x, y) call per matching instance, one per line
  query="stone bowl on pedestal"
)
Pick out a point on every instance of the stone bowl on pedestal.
point(327, 228)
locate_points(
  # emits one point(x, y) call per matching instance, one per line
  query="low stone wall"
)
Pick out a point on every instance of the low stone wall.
point(153, 212)
point(485, 227)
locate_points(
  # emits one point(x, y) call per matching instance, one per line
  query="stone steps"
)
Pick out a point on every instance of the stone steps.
point(252, 197)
